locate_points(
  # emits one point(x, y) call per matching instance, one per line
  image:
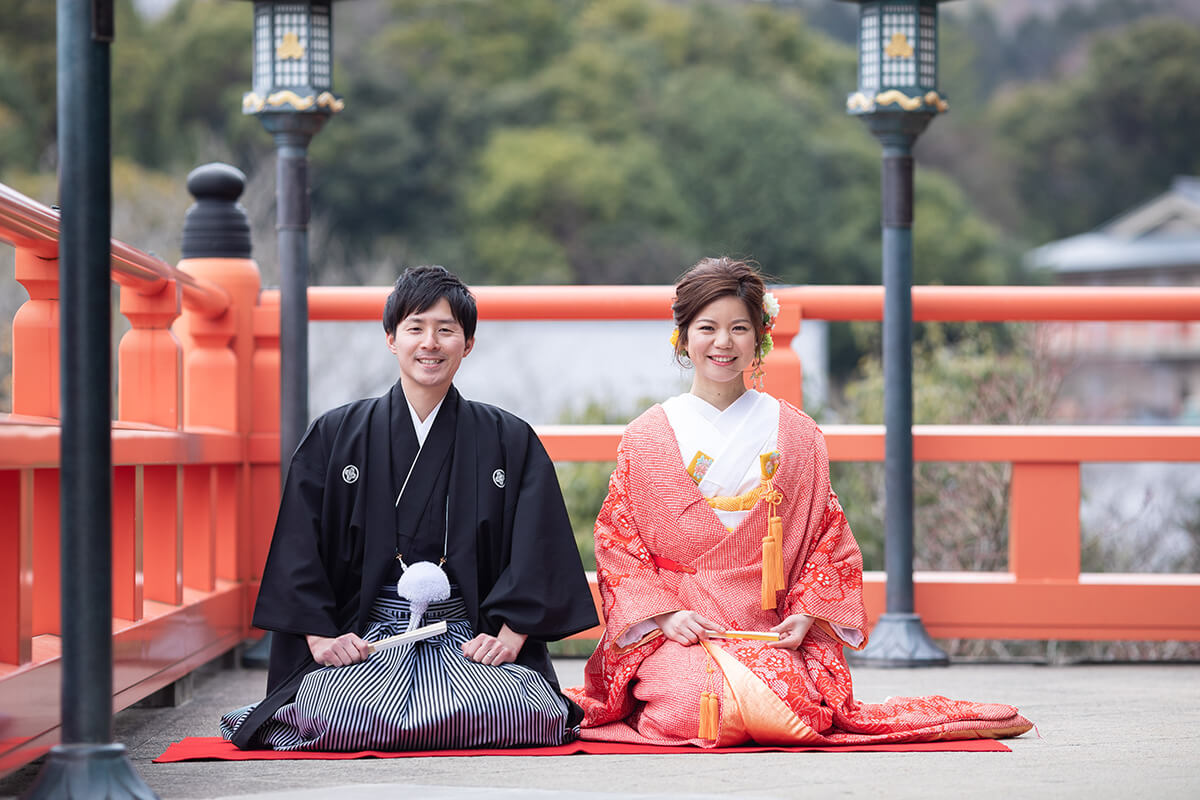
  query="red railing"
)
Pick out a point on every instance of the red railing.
point(181, 476)
point(196, 465)
point(1043, 595)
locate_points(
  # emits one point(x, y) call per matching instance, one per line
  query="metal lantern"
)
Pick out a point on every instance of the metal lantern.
point(897, 57)
point(897, 97)
point(293, 58)
point(293, 98)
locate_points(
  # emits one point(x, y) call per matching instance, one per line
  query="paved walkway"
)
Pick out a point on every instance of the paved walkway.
point(1105, 731)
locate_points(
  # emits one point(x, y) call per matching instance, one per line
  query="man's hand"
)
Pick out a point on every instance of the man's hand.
point(342, 651)
point(685, 627)
point(792, 631)
point(495, 650)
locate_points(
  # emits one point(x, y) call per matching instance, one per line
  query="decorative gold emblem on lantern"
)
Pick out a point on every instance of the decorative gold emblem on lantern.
point(290, 47)
point(898, 47)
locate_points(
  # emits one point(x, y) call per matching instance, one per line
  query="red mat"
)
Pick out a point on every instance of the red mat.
point(214, 748)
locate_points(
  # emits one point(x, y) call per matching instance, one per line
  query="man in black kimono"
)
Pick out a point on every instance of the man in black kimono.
point(419, 474)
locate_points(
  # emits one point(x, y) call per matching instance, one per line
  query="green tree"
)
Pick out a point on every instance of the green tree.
point(964, 374)
point(28, 68)
point(563, 195)
point(1088, 148)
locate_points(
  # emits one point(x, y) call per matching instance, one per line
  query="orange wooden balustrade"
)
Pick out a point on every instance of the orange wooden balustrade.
point(1043, 595)
point(196, 466)
point(181, 475)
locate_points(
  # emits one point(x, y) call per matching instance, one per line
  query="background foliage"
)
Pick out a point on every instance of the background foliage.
point(616, 141)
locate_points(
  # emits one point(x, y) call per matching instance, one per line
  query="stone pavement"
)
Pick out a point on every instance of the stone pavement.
point(1103, 731)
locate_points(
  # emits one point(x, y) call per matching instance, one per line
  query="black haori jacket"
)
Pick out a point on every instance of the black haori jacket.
point(510, 545)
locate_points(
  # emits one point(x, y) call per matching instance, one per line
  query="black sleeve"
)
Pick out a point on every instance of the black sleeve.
point(296, 595)
point(542, 590)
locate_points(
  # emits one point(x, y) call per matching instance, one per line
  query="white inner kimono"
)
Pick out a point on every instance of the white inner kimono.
point(733, 439)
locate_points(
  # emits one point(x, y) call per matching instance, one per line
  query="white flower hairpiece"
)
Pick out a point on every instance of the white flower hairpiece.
point(770, 307)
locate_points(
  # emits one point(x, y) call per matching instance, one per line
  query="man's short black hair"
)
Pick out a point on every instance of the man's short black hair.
point(419, 288)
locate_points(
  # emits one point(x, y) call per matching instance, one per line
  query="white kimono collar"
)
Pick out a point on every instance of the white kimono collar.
point(733, 438)
point(422, 428)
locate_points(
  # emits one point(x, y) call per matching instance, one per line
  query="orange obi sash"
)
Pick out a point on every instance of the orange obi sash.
point(743, 502)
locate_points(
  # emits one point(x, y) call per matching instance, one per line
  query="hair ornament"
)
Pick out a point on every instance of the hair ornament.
point(770, 311)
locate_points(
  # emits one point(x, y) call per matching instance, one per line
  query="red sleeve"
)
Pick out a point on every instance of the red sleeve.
point(630, 587)
point(826, 580)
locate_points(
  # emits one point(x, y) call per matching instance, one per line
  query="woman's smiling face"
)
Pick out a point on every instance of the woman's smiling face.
point(721, 342)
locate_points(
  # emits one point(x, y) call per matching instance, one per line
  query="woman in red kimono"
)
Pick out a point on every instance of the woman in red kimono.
point(720, 523)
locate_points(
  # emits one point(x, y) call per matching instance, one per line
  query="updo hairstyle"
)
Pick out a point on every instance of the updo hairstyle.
point(711, 279)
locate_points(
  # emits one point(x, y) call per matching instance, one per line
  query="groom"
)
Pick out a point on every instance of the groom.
point(419, 474)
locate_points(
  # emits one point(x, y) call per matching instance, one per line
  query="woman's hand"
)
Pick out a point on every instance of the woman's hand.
point(685, 627)
point(495, 650)
point(342, 651)
point(792, 631)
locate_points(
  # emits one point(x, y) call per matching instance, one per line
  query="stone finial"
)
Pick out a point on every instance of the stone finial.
point(217, 225)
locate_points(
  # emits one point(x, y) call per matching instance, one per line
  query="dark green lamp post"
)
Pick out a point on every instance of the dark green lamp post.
point(87, 763)
point(897, 97)
point(292, 96)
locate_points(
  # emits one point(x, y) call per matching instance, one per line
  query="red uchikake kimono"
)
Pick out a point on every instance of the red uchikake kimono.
point(660, 547)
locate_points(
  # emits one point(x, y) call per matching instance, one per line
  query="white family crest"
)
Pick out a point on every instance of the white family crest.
point(350, 473)
point(498, 478)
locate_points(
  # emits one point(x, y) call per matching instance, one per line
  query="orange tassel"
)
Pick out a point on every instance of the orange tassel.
point(769, 553)
point(776, 527)
point(709, 716)
point(714, 715)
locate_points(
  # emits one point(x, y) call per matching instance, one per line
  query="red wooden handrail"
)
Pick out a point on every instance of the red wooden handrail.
point(1049, 444)
point(833, 303)
point(1003, 303)
point(30, 225)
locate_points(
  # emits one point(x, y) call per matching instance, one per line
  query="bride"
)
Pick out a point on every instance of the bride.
point(730, 579)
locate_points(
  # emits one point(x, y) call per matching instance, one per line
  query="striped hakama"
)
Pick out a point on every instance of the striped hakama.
point(425, 695)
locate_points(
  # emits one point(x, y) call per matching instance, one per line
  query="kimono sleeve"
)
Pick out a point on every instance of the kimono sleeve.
point(296, 595)
point(630, 586)
point(826, 582)
point(542, 590)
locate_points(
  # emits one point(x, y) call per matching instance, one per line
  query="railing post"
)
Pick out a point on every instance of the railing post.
point(783, 370)
point(127, 571)
point(16, 566)
point(200, 503)
point(218, 353)
point(35, 337)
point(36, 392)
point(149, 372)
point(1044, 497)
point(150, 389)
